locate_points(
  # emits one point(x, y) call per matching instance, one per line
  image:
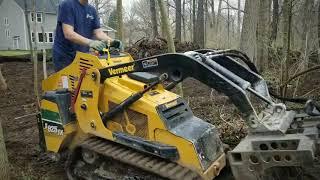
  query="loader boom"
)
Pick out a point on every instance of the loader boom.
point(217, 70)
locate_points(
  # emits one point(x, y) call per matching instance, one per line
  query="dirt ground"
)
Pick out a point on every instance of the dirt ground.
point(21, 134)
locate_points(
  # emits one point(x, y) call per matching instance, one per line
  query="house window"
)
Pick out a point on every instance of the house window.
point(32, 17)
point(6, 21)
point(33, 38)
point(36, 16)
point(39, 17)
point(41, 38)
point(50, 37)
point(7, 31)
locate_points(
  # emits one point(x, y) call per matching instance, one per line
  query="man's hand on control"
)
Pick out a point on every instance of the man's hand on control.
point(116, 44)
point(97, 45)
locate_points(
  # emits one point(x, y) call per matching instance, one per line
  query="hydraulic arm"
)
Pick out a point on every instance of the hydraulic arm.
point(219, 70)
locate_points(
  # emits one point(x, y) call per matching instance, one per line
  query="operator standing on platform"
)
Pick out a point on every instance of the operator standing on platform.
point(78, 29)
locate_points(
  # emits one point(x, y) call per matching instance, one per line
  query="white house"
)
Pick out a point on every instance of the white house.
point(13, 24)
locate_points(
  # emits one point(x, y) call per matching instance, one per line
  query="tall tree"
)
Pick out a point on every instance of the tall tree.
point(287, 18)
point(263, 35)
point(200, 24)
point(35, 56)
point(219, 15)
point(190, 27)
point(166, 26)
point(319, 28)
point(26, 13)
point(44, 37)
point(154, 20)
point(207, 19)
point(184, 20)
point(239, 20)
point(112, 21)
point(275, 21)
point(194, 20)
point(228, 24)
point(249, 29)
point(103, 7)
point(213, 22)
point(306, 33)
point(178, 20)
point(119, 20)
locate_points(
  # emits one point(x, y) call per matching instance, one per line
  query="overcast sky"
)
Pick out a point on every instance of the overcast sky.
point(128, 3)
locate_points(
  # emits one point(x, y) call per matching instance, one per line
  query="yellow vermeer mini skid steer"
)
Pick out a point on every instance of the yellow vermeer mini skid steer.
point(108, 107)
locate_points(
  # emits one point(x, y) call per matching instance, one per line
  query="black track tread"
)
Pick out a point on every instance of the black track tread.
point(146, 162)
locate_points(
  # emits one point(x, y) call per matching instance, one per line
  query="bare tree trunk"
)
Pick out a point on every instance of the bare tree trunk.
point(213, 22)
point(319, 31)
point(120, 20)
point(184, 20)
point(263, 35)
point(239, 20)
point(233, 29)
point(200, 24)
point(275, 21)
point(218, 22)
point(205, 21)
point(44, 52)
point(194, 20)
point(178, 20)
point(228, 24)
point(26, 13)
point(154, 18)
point(306, 25)
point(35, 58)
point(249, 27)
point(287, 17)
point(171, 47)
point(219, 15)
point(166, 26)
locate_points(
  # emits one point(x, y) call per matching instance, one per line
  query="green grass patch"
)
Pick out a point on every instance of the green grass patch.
point(22, 54)
point(14, 53)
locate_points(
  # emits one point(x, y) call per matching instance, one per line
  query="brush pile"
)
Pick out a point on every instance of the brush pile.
point(150, 47)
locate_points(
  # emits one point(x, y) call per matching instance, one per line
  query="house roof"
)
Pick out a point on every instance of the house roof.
point(49, 6)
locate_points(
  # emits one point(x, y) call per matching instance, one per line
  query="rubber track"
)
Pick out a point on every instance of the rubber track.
point(146, 162)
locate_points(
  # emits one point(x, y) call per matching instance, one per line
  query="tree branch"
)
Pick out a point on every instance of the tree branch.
point(300, 74)
point(232, 7)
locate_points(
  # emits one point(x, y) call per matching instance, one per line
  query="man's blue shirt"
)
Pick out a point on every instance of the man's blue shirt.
point(84, 19)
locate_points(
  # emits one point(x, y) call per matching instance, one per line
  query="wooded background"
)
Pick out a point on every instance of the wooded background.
point(282, 37)
point(274, 33)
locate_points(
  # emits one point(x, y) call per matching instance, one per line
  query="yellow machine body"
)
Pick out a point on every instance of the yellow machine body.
point(141, 119)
